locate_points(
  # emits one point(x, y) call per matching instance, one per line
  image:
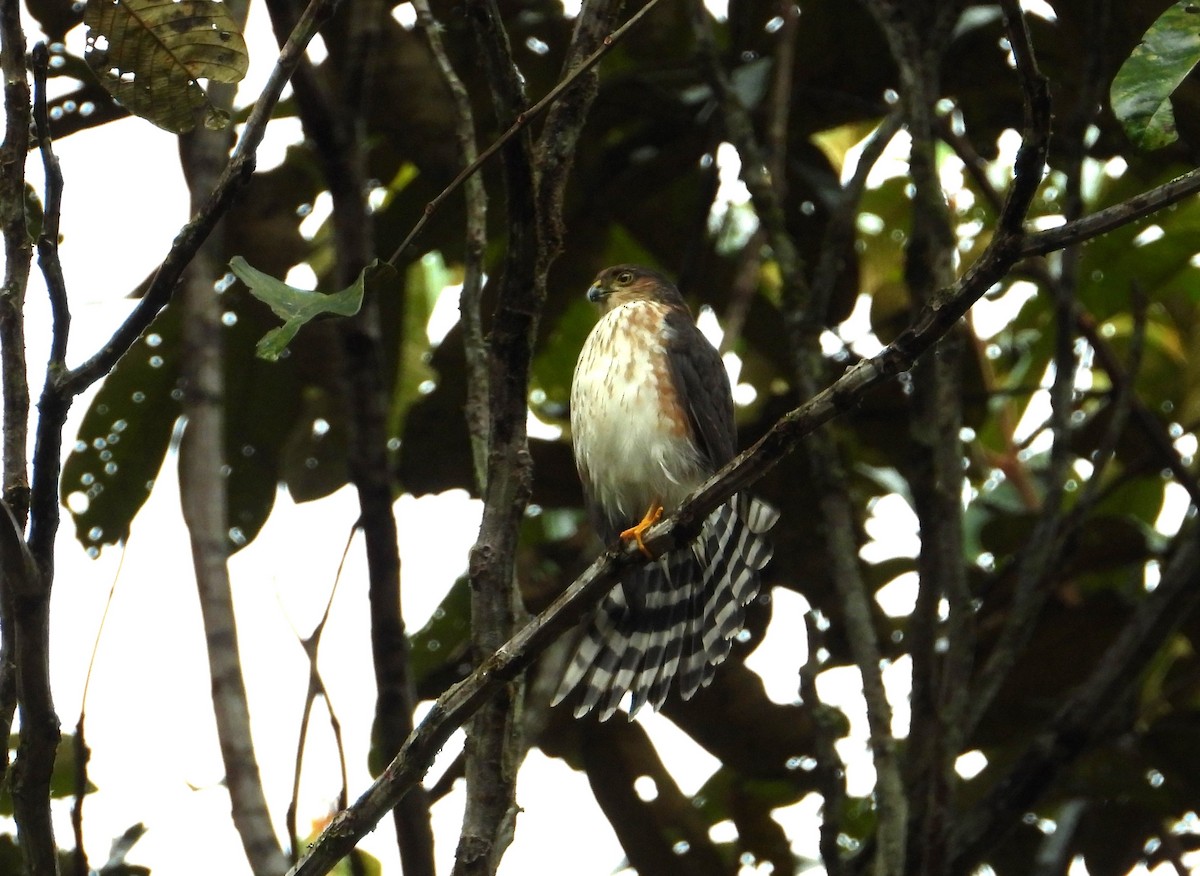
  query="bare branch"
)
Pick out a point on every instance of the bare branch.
point(1043, 550)
point(475, 195)
point(82, 752)
point(1111, 218)
point(941, 650)
point(494, 747)
point(840, 229)
point(204, 500)
point(17, 254)
point(830, 772)
point(25, 600)
point(47, 243)
point(316, 687)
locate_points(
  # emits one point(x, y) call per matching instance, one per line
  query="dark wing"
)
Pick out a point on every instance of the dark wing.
point(703, 388)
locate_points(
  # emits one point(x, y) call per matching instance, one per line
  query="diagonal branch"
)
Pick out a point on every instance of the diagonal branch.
point(459, 702)
point(1110, 218)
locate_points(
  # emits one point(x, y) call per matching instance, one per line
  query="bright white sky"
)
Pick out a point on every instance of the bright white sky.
point(149, 722)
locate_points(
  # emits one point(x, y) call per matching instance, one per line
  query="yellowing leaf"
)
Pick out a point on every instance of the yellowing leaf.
point(148, 54)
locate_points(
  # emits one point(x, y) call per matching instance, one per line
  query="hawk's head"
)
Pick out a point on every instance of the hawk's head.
point(623, 284)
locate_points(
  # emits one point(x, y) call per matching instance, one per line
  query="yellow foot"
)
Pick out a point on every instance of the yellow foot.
point(653, 514)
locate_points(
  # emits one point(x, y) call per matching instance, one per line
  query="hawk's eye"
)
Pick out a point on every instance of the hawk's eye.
point(625, 278)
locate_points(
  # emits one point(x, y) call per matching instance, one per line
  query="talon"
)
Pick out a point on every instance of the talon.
point(653, 514)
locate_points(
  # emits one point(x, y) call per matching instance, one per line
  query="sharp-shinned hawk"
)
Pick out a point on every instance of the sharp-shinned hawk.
point(651, 420)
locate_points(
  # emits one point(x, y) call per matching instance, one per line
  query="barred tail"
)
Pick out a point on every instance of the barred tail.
point(675, 618)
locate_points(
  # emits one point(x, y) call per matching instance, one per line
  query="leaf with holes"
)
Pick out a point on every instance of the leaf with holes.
point(1141, 91)
point(149, 55)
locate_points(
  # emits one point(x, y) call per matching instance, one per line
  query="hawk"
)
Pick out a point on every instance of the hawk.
point(651, 420)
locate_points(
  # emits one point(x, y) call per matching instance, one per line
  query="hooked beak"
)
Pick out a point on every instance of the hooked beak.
point(596, 294)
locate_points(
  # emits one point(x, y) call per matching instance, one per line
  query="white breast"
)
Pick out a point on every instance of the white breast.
point(632, 454)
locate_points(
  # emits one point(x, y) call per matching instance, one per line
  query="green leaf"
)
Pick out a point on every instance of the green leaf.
point(445, 638)
point(148, 55)
point(296, 307)
point(1141, 91)
point(425, 281)
point(124, 437)
point(62, 778)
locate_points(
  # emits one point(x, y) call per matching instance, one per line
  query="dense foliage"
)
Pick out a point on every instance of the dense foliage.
point(1059, 431)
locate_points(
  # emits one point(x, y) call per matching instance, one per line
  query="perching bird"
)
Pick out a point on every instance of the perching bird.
point(651, 420)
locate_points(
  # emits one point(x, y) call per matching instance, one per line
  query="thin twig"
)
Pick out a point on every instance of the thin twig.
point(47, 243)
point(316, 687)
point(1153, 428)
point(520, 123)
point(840, 229)
point(82, 752)
point(475, 245)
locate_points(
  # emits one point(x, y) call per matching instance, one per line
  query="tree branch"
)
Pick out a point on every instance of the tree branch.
point(941, 650)
point(204, 499)
point(25, 600)
point(1043, 551)
point(1111, 218)
point(17, 254)
point(18, 251)
point(830, 771)
point(494, 746)
point(311, 644)
point(475, 245)
point(520, 123)
point(1085, 714)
